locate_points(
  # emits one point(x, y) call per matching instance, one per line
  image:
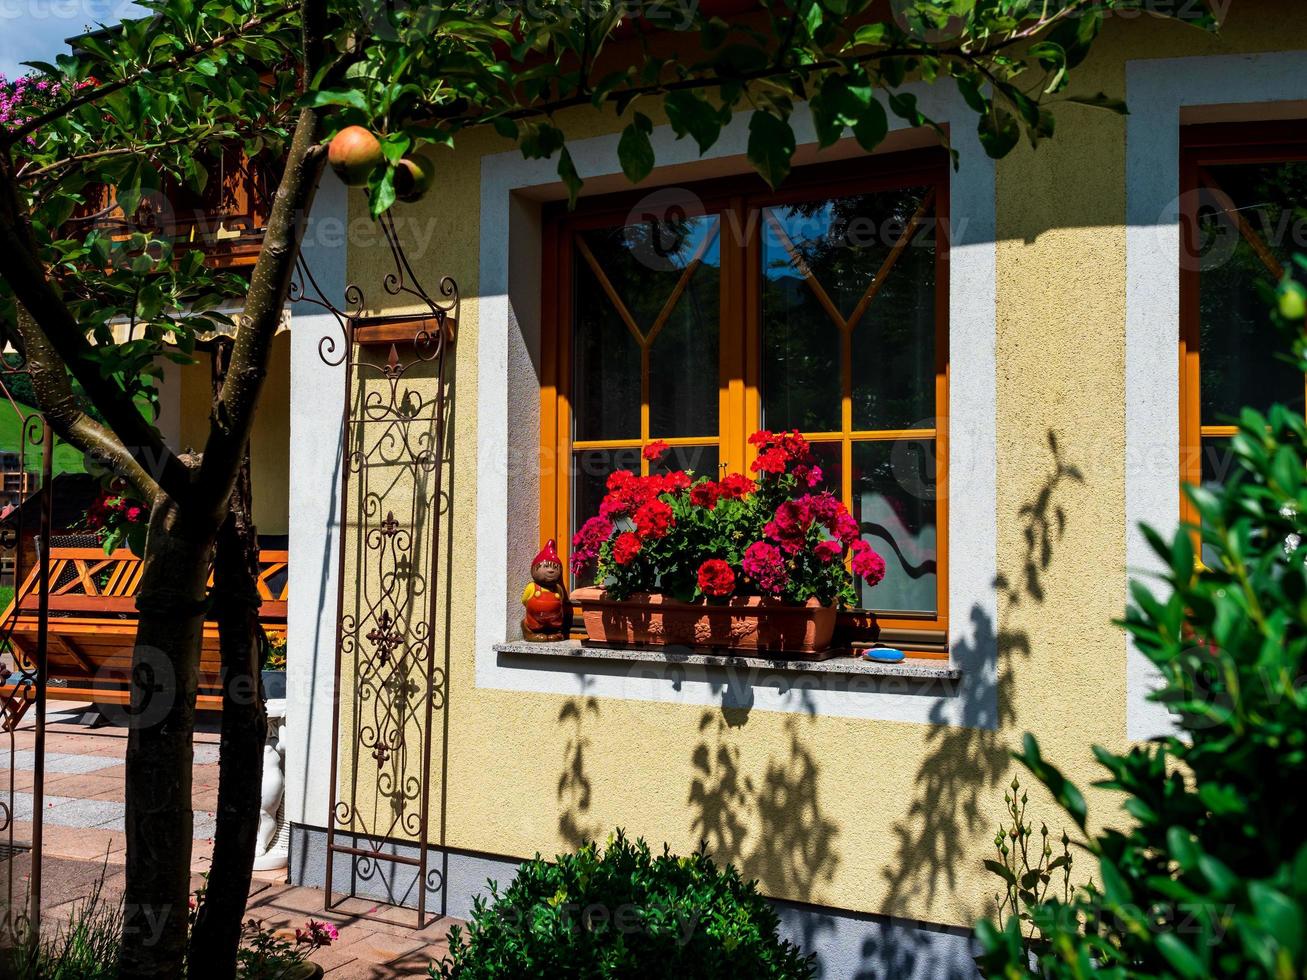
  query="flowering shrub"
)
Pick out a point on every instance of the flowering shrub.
point(697, 538)
point(118, 520)
point(28, 96)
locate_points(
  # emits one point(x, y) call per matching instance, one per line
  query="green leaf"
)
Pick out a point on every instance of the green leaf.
point(1002, 870)
point(571, 179)
point(771, 146)
point(689, 114)
point(1063, 791)
point(383, 195)
point(1183, 959)
point(634, 150)
point(999, 132)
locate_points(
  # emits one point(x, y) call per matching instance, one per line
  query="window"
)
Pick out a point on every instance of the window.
point(697, 317)
point(1244, 215)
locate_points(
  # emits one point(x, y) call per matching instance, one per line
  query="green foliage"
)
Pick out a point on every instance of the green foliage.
point(149, 105)
point(622, 912)
point(430, 71)
point(85, 948)
point(1028, 867)
point(1209, 876)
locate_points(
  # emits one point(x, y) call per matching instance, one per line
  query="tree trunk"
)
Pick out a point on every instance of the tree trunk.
point(165, 661)
point(216, 935)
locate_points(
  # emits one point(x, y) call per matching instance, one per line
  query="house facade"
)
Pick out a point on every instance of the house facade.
point(1005, 367)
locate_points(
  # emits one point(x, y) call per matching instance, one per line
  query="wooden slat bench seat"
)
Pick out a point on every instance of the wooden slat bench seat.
point(93, 624)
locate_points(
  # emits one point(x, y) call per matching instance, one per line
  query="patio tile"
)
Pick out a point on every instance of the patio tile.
point(86, 786)
point(62, 762)
point(86, 813)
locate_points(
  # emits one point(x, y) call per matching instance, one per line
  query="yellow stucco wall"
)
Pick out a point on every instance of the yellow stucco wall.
point(865, 815)
point(270, 441)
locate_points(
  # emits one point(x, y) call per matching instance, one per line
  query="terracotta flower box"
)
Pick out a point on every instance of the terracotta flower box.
point(748, 625)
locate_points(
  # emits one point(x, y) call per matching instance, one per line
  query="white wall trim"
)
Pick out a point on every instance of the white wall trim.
point(317, 393)
point(505, 437)
point(1157, 90)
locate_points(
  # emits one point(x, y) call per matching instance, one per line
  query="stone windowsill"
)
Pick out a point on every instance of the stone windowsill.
point(914, 668)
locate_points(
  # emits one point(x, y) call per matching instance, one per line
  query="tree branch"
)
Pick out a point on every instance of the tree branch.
point(59, 405)
point(51, 319)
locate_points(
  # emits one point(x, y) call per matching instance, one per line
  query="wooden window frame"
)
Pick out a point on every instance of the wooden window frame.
point(740, 409)
point(1203, 145)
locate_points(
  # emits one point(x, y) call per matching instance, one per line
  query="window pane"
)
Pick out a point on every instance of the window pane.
point(1239, 346)
point(683, 361)
point(894, 341)
point(830, 457)
point(826, 254)
point(1218, 462)
point(894, 503)
point(699, 460)
point(605, 365)
point(800, 360)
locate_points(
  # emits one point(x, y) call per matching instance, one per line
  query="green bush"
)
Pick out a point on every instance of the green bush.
point(1209, 876)
point(621, 912)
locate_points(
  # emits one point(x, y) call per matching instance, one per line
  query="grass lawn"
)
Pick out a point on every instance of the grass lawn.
point(66, 458)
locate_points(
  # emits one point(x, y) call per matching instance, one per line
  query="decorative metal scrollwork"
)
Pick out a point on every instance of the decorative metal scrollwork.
point(389, 682)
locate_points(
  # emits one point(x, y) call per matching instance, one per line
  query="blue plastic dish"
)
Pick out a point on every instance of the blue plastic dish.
point(883, 655)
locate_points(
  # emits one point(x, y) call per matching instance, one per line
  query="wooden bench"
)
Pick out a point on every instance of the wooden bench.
point(92, 624)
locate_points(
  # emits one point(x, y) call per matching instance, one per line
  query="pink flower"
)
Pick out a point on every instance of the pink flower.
point(789, 528)
point(828, 551)
point(867, 563)
point(764, 564)
point(316, 934)
point(586, 542)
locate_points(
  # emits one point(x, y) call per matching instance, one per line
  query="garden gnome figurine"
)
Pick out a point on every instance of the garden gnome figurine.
point(545, 598)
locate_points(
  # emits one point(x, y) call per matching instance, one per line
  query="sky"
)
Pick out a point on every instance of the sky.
point(34, 30)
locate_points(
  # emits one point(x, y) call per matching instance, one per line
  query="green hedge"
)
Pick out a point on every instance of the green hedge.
point(621, 912)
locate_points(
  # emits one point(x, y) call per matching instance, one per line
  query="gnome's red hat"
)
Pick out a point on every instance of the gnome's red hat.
point(547, 553)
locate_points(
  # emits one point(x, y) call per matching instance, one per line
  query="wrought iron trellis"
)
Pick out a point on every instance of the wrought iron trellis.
point(23, 679)
point(389, 681)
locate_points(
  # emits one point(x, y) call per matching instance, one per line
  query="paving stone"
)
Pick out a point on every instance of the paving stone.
point(61, 761)
point(87, 813)
point(86, 786)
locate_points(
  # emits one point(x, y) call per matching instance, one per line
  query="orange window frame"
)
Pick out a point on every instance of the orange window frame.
point(1202, 146)
point(740, 205)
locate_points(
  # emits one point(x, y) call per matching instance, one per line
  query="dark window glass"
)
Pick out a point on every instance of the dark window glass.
point(894, 503)
point(1249, 216)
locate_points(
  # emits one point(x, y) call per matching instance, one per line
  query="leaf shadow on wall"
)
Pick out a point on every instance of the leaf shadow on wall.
point(771, 827)
point(964, 764)
point(575, 789)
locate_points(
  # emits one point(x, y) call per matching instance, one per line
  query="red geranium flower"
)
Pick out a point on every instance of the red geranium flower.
point(653, 520)
point(625, 548)
point(705, 494)
point(716, 578)
point(735, 486)
point(772, 461)
point(655, 450)
point(675, 480)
